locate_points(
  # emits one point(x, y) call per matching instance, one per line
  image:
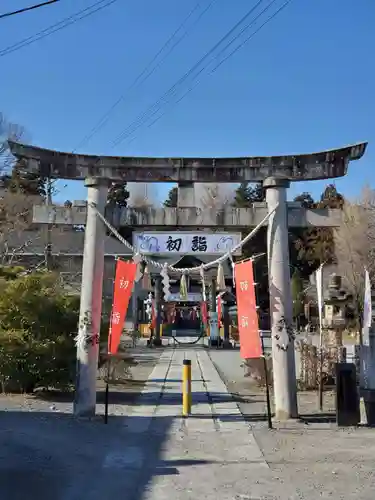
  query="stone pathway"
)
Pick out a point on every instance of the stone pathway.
point(208, 455)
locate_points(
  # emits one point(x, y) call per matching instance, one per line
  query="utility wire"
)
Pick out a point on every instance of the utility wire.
point(154, 108)
point(216, 67)
point(139, 121)
point(133, 127)
point(64, 23)
point(148, 70)
point(224, 59)
point(26, 9)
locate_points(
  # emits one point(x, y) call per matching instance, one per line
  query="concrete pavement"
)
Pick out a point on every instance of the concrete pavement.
point(203, 456)
point(148, 451)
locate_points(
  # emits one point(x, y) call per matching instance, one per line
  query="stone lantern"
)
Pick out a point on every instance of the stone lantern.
point(336, 298)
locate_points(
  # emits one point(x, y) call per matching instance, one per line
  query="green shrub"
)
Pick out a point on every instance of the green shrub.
point(38, 323)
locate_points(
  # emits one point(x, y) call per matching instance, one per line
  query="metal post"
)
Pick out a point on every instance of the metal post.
point(135, 306)
point(158, 323)
point(226, 320)
point(106, 400)
point(281, 310)
point(268, 397)
point(186, 387)
point(91, 300)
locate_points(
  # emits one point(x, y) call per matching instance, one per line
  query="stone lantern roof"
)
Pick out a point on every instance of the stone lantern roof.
point(336, 293)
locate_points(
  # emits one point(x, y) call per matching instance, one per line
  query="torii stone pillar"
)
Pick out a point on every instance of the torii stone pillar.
point(91, 300)
point(186, 195)
point(281, 311)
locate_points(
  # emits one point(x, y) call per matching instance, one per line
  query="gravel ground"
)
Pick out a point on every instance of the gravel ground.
point(122, 394)
point(317, 458)
point(46, 454)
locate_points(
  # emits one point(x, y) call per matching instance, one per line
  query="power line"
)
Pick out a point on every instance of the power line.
point(148, 70)
point(133, 127)
point(154, 108)
point(26, 9)
point(172, 90)
point(225, 58)
point(244, 29)
point(64, 23)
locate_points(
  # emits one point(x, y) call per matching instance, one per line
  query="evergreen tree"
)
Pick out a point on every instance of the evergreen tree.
point(242, 196)
point(310, 247)
point(171, 201)
point(331, 198)
point(26, 183)
point(297, 294)
point(257, 192)
point(117, 198)
point(118, 194)
point(305, 199)
point(247, 194)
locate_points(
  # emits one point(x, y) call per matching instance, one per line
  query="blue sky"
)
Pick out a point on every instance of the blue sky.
point(304, 83)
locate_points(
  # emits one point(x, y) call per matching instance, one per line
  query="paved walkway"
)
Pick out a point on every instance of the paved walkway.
point(148, 452)
point(212, 454)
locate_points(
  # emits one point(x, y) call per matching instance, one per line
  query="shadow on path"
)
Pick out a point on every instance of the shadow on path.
point(54, 456)
point(318, 418)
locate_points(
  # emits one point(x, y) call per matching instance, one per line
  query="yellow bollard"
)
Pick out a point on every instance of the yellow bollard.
point(186, 388)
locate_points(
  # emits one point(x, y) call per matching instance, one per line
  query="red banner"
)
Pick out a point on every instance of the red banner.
point(219, 311)
point(250, 345)
point(204, 313)
point(124, 282)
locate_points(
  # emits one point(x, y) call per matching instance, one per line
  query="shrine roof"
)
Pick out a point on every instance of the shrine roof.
point(296, 167)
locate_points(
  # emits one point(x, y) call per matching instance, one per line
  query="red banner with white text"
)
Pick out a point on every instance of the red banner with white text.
point(219, 311)
point(204, 313)
point(124, 283)
point(250, 345)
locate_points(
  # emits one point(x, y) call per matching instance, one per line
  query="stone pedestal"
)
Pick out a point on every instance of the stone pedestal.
point(367, 380)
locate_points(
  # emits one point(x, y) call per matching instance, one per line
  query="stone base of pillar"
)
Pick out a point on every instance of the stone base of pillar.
point(227, 344)
point(157, 342)
point(368, 407)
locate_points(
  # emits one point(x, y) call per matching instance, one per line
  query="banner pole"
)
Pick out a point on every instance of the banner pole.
point(106, 400)
point(106, 396)
point(268, 398)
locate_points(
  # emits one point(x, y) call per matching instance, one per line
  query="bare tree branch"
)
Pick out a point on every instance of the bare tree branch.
point(8, 131)
point(141, 196)
point(15, 218)
point(213, 196)
point(354, 244)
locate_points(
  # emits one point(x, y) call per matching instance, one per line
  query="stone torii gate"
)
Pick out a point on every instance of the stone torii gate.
point(276, 173)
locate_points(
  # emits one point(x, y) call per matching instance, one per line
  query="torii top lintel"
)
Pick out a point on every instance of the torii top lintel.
point(322, 165)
